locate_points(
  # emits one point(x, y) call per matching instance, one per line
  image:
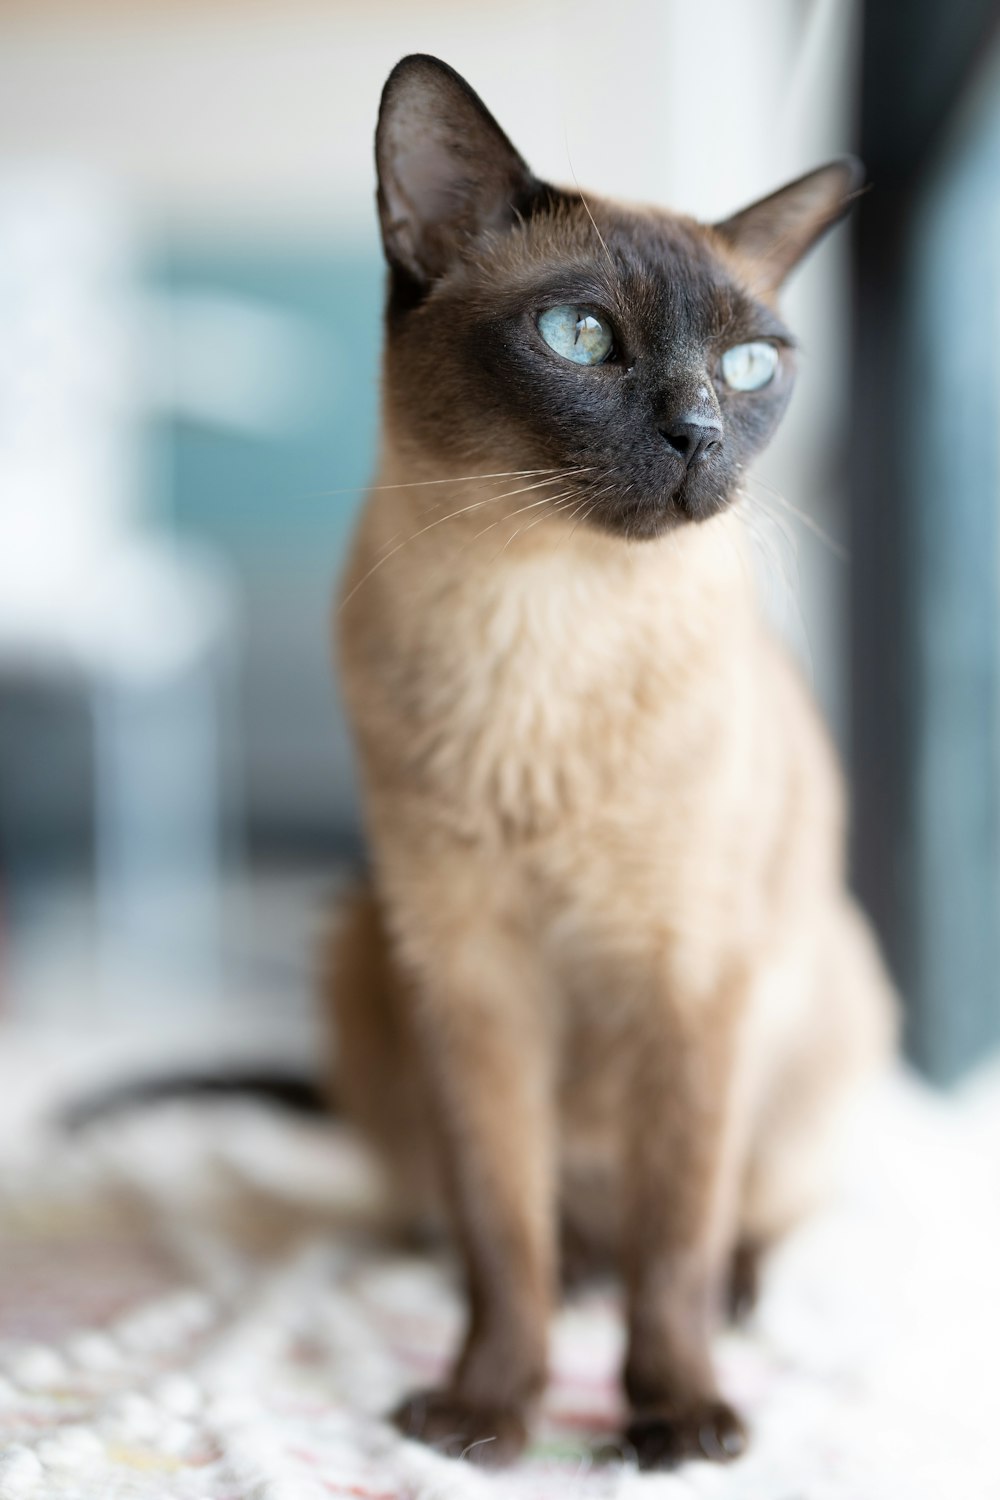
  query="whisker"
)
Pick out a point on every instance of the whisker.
point(560, 502)
point(782, 560)
point(782, 563)
point(600, 236)
point(554, 500)
point(838, 550)
point(438, 521)
point(590, 216)
point(741, 510)
point(591, 507)
point(556, 475)
point(419, 484)
point(587, 513)
point(546, 499)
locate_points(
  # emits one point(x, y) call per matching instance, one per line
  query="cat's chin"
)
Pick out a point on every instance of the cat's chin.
point(647, 519)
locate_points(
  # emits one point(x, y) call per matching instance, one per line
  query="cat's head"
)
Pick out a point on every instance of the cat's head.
point(532, 328)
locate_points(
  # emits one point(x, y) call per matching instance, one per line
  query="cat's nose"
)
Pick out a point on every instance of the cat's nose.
point(692, 438)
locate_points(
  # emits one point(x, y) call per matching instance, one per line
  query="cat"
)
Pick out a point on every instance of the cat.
point(605, 994)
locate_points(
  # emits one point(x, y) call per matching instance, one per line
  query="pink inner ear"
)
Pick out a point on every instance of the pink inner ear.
point(428, 172)
point(446, 168)
point(777, 231)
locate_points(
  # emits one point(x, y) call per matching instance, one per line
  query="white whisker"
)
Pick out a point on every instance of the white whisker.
point(545, 500)
point(439, 521)
point(559, 502)
point(838, 550)
point(419, 484)
point(557, 476)
point(590, 216)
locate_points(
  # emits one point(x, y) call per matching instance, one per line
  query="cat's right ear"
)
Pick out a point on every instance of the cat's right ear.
point(446, 171)
point(776, 232)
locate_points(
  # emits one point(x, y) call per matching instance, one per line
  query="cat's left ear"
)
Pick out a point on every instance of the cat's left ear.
point(446, 171)
point(775, 233)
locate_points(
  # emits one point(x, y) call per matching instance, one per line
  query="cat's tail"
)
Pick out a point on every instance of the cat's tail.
point(299, 1093)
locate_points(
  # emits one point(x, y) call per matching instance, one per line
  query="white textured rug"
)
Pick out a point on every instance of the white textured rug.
point(200, 1304)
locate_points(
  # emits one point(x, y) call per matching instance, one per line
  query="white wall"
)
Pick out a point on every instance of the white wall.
point(220, 113)
point(219, 117)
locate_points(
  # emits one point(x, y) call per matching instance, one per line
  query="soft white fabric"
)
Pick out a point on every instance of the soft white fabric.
point(201, 1303)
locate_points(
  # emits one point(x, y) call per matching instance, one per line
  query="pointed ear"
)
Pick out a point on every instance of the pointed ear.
point(446, 171)
point(775, 233)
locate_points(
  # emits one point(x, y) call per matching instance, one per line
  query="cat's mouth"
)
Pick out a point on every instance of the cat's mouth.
point(646, 515)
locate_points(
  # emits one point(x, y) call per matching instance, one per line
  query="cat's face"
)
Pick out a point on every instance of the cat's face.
point(544, 350)
point(532, 329)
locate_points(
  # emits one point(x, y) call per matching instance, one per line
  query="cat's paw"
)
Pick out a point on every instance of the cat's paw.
point(487, 1435)
point(743, 1290)
point(707, 1429)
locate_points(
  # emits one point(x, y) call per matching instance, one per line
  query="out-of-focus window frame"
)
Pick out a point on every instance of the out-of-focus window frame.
point(925, 513)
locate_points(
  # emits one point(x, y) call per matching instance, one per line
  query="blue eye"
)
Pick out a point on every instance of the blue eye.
point(748, 367)
point(577, 333)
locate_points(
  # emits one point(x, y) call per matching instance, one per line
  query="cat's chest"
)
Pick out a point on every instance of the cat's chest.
point(536, 696)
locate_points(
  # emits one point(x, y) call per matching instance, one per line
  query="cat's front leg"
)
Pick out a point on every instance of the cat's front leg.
point(480, 1027)
point(682, 1169)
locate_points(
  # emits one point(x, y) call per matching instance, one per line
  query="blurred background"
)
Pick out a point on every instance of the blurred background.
point(190, 290)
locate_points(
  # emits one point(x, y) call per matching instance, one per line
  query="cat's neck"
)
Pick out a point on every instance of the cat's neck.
point(496, 530)
point(520, 660)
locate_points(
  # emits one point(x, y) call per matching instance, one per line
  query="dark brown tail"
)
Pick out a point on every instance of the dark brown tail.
point(300, 1094)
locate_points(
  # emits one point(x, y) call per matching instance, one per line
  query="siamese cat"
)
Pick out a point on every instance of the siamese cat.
point(606, 994)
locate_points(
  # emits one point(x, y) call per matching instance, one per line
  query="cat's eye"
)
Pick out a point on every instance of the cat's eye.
point(577, 333)
point(748, 367)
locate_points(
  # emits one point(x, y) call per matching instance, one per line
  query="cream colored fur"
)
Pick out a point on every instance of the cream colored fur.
point(587, 762)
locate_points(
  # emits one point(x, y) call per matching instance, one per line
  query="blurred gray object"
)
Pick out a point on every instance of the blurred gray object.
point(90, 596)
point(926, 520)
point(278, 498)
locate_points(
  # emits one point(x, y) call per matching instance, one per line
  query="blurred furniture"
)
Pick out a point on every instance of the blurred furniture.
point(88, 595)
point(277, 496)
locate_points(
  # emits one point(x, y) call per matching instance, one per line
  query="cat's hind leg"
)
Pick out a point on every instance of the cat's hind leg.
point(842, 1036)
point(371, 1068)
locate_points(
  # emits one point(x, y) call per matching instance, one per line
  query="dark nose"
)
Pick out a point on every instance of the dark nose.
point(691, 439)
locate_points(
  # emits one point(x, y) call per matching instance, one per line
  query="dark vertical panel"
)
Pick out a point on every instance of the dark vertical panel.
point(951, 384)
point(924, 541)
